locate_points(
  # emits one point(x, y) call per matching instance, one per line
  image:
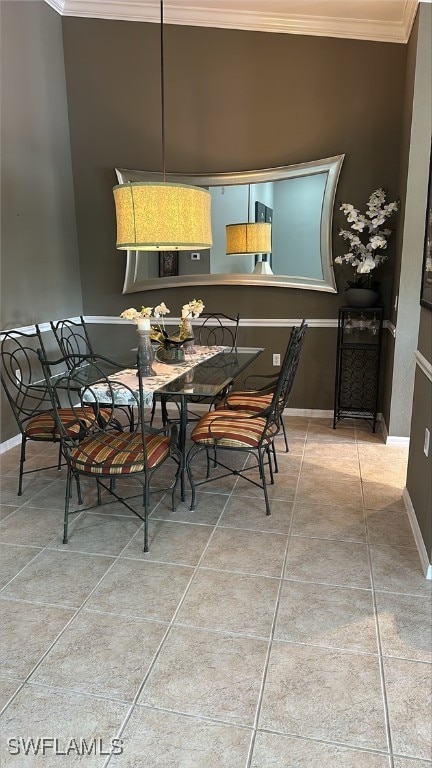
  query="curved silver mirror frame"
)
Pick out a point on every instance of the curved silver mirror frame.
point(331, 166)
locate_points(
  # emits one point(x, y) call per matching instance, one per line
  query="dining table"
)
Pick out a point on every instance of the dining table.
point(207, 372)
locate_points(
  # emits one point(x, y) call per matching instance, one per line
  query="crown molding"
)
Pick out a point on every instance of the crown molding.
point(213, 15)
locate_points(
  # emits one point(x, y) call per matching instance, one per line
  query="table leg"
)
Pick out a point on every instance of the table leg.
point(182, 443)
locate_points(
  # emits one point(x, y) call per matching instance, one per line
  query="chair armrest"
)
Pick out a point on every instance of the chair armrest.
point(271, 378)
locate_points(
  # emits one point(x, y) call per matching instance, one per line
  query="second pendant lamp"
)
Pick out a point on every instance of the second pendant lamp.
point(248, 237)
point(164, 216)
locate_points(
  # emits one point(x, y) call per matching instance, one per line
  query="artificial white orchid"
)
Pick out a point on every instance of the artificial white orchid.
point(366, 255)
point(135, 314)
point(157, 331)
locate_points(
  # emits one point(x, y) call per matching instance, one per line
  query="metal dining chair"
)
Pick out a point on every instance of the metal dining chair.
point(226, 431)
point(73, 339)
point(253, 399)
point(102, 451)
point(23, 381)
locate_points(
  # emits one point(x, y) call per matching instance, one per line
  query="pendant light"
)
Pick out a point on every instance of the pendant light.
point(248, 237)
point(164, 216)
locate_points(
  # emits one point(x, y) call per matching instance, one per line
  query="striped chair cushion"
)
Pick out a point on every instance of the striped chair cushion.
point(236, 430)
point(240, 401)
point(118, 453)
point(42, 426)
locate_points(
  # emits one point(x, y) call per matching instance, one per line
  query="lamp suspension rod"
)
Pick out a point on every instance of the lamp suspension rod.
point(162, 89)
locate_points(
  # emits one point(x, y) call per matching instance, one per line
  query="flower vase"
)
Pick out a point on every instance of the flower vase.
point(145, 349)
point(361, 297)
point(187, 333)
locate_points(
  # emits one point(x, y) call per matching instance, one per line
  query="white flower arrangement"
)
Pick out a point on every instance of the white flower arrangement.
point(366, 256)
point(157, 331)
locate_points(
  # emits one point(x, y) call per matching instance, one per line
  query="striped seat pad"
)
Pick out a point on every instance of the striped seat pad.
point(240, 401)
point(118, 453)
point(42, 426)
point(236, 430)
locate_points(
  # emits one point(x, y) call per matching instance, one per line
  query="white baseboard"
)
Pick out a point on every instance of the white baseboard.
point(393, 439)
point(12, 443)
point(418, 538)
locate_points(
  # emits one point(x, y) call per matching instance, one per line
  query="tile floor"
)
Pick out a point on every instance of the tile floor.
point(299, 640)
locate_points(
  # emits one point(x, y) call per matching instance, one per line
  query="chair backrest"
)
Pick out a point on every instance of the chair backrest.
point(72, 337)
point(218, 329)
point(22, 376)
point(91, 394)
point(286, 378)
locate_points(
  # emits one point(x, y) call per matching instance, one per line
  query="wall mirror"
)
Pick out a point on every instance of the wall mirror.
point(297, 199)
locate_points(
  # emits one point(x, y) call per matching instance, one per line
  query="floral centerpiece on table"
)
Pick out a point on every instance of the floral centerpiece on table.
point(367, 242)
point(157, 330)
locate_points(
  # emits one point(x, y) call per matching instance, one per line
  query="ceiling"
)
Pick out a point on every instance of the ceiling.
point(381, 20)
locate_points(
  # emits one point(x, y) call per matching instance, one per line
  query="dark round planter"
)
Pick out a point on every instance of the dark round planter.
point(361, 297)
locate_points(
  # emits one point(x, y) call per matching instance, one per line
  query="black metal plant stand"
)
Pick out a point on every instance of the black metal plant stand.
point(358, 364)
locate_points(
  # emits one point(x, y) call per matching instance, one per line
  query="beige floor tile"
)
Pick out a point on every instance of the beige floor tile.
point(220, 483)
point(59, 578)
point(32, 486)
point(8, 688)
point(209, 674)
point(329, 522)
point(182, 742)
point(388, 526)
point(32, 526)
point(170, 542)
point(331, 454)
point(207, 510)
point(273, 750)
point(409, 696)
point(342, 563)
point(41, 712)
point(243, 512)
point(233, 549)
point(13, 559)
point(405, 625)
point(103, 534)
point(382, 496)
point(342, 491)
point(329, 616)
point(27, 633)
point(141, 589)
point(319, 430)
point(324, 694)
point(321, 465)
point(289, 463)
point(398, 569)
point(284, 488)
point(53, 495)
point(405, 762)
point(102, 654)
point(230, 602)
point(6, 510)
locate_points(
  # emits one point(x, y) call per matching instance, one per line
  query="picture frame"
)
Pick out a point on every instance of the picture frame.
point(168, 264)
point(426, 281)
point(260, 211)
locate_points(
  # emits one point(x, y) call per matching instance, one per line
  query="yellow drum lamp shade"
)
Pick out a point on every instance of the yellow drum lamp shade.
point(153, 216)
point(248, 238)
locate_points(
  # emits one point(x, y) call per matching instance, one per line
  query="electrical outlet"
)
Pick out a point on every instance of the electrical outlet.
point(195, 256)
point(276, 359)
point(426, 442)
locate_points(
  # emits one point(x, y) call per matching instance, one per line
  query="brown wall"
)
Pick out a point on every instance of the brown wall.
point(234, 100)
point(40, 274)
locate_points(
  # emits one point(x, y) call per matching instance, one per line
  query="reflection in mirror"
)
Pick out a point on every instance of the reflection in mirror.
point(297, 199)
